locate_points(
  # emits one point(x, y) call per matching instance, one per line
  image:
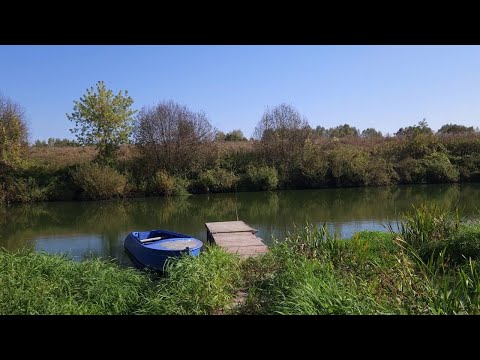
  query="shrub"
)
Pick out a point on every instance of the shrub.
point(24, 190)
point(217, 180)
point(410, 170)
point(13, 131)
point(439, 169)
point(349, 166)
point(314, 165)
point(379, 172)
point(166, 184)
point(263, 177)
point(99, 182)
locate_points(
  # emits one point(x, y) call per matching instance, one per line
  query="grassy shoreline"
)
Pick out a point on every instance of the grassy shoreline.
point(429, 266)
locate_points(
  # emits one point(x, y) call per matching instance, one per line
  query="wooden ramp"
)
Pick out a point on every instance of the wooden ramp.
point(235, 237)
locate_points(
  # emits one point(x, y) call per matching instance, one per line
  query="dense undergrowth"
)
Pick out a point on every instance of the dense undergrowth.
point(67, 173)
point(427, 265)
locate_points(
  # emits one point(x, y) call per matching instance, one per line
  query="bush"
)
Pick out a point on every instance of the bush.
point(99, 182)
point(439, 169)
point(349, 166)
point(24, 190)
point(410, 170)
point(379, 172)
point(3, 195)
point(166, 184)
point(314, 166)
point(217, 180)
point(13, 131)
point(263, 177)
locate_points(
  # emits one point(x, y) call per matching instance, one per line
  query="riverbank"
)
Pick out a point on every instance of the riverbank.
point(428, 267)
point(52, 173)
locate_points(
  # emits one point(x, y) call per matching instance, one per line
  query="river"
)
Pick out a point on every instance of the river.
point(98, 228)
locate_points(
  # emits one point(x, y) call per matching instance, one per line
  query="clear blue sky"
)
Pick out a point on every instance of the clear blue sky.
point(386, 87)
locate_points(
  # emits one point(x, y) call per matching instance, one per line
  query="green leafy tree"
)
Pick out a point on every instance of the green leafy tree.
point(235, 135)
point(103, 119)
point(342, 131)
point(321, 131)
point(421, 128)
point(371, 133)
point(13, 131)
point(455, 129)
point(220, 136)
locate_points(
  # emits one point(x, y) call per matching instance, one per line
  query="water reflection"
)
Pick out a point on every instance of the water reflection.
point(98, 228)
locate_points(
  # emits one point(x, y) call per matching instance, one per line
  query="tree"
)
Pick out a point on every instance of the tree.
point(173, 137)
point(13, 131)
point(103, 119)
point(342, 131)
point(321, 131)
point(421, 128)
point(455, 129)
point(282, 132)
point(235, 135)
point(220, 136)
point(371, 133)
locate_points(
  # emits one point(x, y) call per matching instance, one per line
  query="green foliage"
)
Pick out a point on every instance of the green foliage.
point(37, 283)
point(217, 180)
point(379, 172)
point(426, 226)
point(410, 170)
point(371, 133)
point(421, 128)
point(99, 181)
point(342, 131)
point(348, 166)
point(13, 131)
point(439, 169)
point(455, 129)
point(314, 166)
point(197, 285)
point(103, 119)
point(220, 136)
point(262, 178)
point(235, 135)
point(166, 184)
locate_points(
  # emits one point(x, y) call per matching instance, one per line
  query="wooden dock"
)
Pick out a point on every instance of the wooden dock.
point(235, 237)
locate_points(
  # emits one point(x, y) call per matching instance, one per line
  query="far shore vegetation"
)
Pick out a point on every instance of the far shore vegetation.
point(169, 149)
point(427, 264)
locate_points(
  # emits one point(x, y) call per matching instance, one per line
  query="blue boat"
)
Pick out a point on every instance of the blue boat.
point(151, 249)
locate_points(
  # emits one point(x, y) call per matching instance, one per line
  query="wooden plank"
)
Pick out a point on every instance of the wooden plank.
point(236, 237)
point(228, 226)
point(228, 243)
point(240, 237)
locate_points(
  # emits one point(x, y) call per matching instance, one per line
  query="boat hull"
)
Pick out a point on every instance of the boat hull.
point(153, 255)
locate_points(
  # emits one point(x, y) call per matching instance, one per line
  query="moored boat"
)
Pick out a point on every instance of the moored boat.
point(151, 249)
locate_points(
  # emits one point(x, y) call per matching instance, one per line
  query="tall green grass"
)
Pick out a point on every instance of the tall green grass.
point(38, 283)
point(199, 285)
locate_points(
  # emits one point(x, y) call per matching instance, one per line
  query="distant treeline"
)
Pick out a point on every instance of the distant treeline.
point(168, 149)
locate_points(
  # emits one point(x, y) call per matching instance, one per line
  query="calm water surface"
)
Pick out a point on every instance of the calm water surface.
point(84, 229)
